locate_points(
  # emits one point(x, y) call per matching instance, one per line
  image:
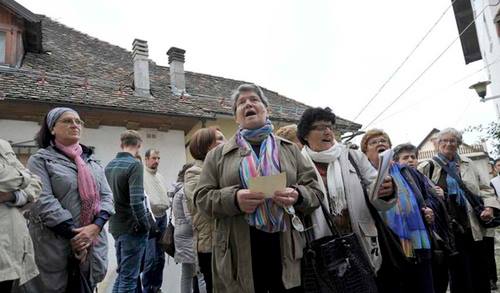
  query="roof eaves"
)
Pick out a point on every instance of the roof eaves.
point(20, 10)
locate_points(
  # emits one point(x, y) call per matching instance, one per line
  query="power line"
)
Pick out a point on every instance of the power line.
point(428, 67)
point(459, 118)
point(404, 61)
point(440, 91)
point(476, 72)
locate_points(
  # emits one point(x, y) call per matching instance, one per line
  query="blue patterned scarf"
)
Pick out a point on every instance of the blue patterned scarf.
point(405, 218)
point(268, 217)
point(454, 191)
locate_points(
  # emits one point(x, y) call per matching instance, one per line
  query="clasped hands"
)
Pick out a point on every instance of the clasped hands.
point(83, 239)
point(248, 201)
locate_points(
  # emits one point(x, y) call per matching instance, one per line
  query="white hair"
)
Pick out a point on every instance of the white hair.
point(457, 134)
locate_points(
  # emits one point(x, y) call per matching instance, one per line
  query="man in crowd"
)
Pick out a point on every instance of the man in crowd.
point(130, 225)
point(155, 187)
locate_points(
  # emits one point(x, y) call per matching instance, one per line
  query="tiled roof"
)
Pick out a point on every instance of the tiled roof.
point(81, 69)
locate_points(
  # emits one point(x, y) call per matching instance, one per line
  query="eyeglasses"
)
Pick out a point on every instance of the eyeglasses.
point(69, 122)
point(449, 141)
point(377, 142)
point(296, 222)
point(322, 127)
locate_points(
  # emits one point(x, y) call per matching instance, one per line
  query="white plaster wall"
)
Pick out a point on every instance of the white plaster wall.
point(482, 166)
point(428, 146)
point(489, 43)
point(18, 131)
point(106, 140)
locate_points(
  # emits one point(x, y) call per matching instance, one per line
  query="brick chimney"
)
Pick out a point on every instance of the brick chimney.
point(176, 63)
point(141, 68)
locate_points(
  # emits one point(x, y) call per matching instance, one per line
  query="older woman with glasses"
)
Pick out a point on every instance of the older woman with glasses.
point(336, 167)
point(469, 269)
point(408, 220)
point(256, 246)
point(66, 223)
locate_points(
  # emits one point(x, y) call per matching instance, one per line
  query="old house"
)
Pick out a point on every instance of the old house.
point(44, 64)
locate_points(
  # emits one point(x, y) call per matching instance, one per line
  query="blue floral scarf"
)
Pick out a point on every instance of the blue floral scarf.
point(405, 218)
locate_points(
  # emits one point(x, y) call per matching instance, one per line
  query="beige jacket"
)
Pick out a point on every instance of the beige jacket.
point(362, 222)
point(203, 225)
point(215, 196)
point(17, 259)
point(470, 176)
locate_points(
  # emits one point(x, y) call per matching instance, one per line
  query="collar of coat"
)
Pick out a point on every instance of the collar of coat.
point(231, 145)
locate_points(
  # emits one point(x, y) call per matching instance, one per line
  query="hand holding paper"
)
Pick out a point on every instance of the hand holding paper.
point(268, 185)
point(382, 183)
point(248, 201)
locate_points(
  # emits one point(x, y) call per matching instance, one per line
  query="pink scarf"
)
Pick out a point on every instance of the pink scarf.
point(90, 199)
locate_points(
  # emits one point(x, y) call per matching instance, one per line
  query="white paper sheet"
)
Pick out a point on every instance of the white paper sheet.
point(267, 184)
point(383, 167)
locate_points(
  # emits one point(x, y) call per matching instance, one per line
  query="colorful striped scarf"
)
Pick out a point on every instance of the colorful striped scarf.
point(268, 217)
point(405, 218)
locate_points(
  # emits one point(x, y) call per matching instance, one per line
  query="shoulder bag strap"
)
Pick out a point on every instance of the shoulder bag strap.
point(328, 217)
point(474, 200)
point(371, 208)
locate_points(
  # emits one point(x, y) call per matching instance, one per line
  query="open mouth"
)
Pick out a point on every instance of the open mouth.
point(250, 113)
point(381, 149)
point(327, 140)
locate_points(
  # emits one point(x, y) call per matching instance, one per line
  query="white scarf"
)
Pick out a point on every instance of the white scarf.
point(336, 193)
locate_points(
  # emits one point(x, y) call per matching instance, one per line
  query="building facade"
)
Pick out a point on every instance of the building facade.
point(44, 64)
point(478, 23)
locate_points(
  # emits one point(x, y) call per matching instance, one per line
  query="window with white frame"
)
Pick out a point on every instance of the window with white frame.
point(3, 37)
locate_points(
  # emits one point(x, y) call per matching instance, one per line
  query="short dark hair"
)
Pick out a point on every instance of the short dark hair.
point(404, 147)
point(496, 161)
point(310, 116)
point(180, 175)
point(201, 141)
point(149, 152)
point(44, 136)
point(130, 138)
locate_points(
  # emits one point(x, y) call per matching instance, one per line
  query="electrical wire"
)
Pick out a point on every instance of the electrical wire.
point(404, 61)
point(428, 67)
point(420, 101)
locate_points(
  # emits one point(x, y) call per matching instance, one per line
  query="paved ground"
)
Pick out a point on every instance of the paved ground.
point(171, 273)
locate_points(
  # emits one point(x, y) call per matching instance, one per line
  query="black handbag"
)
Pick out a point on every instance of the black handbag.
point(474, 200)
point(393, 257)
point(77, 282)
point(166, 240)
point(336, 263)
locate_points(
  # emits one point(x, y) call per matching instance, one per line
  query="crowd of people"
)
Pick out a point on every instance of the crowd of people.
point(423, 227)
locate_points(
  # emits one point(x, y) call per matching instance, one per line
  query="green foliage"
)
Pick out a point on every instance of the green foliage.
point(490, 133)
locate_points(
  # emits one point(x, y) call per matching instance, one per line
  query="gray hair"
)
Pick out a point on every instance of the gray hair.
point(457, 134)
point(248, 87)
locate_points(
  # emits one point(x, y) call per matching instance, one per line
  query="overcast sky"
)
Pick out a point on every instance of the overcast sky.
point(323, 53)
